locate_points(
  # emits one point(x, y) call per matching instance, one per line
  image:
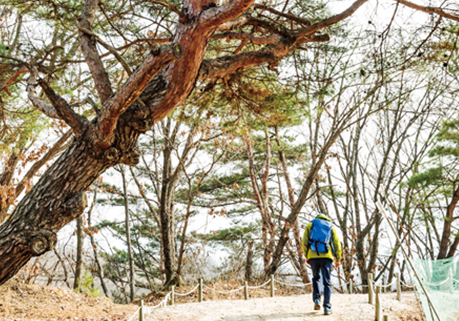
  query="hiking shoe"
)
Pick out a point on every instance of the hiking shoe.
point(317, 304)
point(328, 311)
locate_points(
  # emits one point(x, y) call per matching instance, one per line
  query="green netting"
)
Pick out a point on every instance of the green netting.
point(440, 278)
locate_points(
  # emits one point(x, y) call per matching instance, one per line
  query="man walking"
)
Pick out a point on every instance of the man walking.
point(320, 246)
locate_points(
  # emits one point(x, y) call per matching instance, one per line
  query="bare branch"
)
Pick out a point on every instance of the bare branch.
point(13, 78)
point(330, 21)
point(76, 122)
point(89, 49)
point(166, 4)
point(45, 108)
point(431, 10)
point(222, 66)
point(272, 27)
point(289, 16)
point(132, 90)
point(109, 48)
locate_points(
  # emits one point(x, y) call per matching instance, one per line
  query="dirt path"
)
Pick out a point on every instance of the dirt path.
point(295, 308)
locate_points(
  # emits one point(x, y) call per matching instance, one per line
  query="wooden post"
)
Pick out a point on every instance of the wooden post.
point(385, 317)
point(246, 291)
point(399, 287)
point(383, 288)
point(200, 290)
point(272, 285)
point(351, 286)
point(370, 288)
point(378, 304)
point(172, 294)
point(141, 315)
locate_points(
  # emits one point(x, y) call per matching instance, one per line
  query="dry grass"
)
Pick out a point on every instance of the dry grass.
point(20, 301)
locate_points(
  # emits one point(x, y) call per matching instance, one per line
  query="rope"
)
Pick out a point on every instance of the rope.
point(406, 285)
point(185, 294)
point(259, 286)
point(297, 285)
point(433, 284)
point(387, 285)
point(223, 292)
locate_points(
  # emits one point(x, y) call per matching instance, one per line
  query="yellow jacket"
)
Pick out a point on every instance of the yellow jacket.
point(336, 245)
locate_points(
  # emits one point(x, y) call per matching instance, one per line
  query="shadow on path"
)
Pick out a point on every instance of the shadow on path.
point(274, 316)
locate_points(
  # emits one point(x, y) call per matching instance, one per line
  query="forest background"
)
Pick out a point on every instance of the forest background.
point(362, 110)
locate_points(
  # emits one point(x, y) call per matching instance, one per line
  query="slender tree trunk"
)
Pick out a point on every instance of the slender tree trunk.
point(249, 263)
point(445, 238)
point(296, 229)
point(166, 211)
point(100, 268)
point(64, 268)
point(128, 236)
point(79, 254)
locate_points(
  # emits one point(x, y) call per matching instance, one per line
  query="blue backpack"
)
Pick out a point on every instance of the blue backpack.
point(319, 238)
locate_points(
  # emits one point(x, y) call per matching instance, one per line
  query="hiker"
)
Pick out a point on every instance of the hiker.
point(320, 246)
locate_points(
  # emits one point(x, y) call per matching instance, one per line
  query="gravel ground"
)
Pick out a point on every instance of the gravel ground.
point(293, 308)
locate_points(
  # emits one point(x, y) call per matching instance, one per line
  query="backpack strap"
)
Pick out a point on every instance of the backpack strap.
point(309, 240)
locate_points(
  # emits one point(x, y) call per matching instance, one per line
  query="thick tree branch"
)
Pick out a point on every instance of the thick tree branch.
point(249, 37)
point(431, 10)
point(235, 23)
point(222, 66)
point(229, 11)
point(76, 122)
point(132, 90)
point(89, 49)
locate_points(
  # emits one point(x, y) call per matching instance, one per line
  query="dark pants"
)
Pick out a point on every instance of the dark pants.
point(321, 265)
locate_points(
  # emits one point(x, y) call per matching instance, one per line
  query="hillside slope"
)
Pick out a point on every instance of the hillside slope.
point(20, 301)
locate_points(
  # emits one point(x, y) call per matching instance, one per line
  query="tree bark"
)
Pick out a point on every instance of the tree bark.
point(166, 210)
point(5, 181)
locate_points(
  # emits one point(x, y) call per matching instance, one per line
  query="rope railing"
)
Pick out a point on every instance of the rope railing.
point(259, 286)
point(408, 286)
point(188, 293)
point(169, 297)
point(296, 285)
point(224, 292)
